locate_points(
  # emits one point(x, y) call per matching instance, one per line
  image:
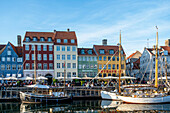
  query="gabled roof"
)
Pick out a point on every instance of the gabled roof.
point(151, 50)
point(133, 54)
point(107, 48)
point(2, 47)
point(19, 51)
point(136, 64)
point(167, 48)
point(86, 52)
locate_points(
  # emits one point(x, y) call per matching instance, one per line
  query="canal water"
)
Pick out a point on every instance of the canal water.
point(84, 106)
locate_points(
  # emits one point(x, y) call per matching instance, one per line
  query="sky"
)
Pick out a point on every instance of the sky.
point(92, 20)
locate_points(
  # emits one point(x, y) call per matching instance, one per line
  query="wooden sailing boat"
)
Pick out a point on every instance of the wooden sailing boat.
point(146, 95)
point(42, 93)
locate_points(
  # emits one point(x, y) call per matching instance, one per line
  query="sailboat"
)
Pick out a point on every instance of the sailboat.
point(42, 93)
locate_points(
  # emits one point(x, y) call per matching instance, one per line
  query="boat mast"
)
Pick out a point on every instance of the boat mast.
point(119, 60)
point(156, 60)
point(34, 65)
point(64, 74)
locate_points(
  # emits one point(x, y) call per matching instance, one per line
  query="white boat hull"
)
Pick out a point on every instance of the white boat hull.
point(106, 95)
point(152, 100)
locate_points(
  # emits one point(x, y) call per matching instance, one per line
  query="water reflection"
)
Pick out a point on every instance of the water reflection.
point(88, 106)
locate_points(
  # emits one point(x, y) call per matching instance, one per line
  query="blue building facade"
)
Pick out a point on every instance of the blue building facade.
point(11, 61)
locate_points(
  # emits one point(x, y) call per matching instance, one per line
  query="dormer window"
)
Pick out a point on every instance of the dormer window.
point(42, 39)
point(101, 51)
point(27, 39)
point(82, 51)
point(65, 40)
point(111, 51)
point(58, 40)
point(49, 39)
point(72, 41)
point(89, 52)
point(34, 38)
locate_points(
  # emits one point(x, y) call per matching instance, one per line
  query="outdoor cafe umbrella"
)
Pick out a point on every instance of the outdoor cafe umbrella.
point(10, 78)
point(1, 78)
point(72, 78)
point(26, 78)
point(38, 86)
point(87, 78)
point(41, 78)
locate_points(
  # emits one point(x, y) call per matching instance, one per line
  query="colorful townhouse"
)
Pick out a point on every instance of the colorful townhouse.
point(87, 62)
point(40, 45)
point(11, 60)
point(109, 54)
point(65, 54)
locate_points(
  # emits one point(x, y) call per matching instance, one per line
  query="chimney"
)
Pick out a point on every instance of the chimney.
point(68, 30)
point(54, 30)
point(104, 41)
point(19, 40)
point(167, 42)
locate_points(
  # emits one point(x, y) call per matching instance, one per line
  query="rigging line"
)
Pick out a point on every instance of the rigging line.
point(151, 70)
point(103, 67)
point(24, 62)
point(145, 71)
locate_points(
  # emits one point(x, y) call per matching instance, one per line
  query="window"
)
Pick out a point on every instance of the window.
point(63, 48)
point(62, 74)
point(74, 74)
point(100, 75)
point(49, 39)
point(122, 58)
point(104, 75)
point(95, 58)
point(45, 66)
point(39, 47)
point(13, 59)
point(8, 67)
point(87, 66)
point(117, 66)
point(79, 58)
point(104, 58)
point(122, 66)
point(39, 66)
point(39, 56)
point(50, 56)
point(100, 58)
point(113, 58)
point(8, 52)
point(68, 48)
point(63, 57)
point(84, 66)
point(58, 48)
point(27, 47)
point(104, 66)
point(121, 51)
point(58, 74)
point(19, 67)
point(42, 39)
point(32, 65)
point(58, 65)
point(73, 57)
point(44, 56)
point(89, 52)
point(68, 74)
point(101, 51)
point(91, 66)
point(82, 51)
point(79, 66)
point(111, 51)
point(2, 67)
point(50, 48)
point(113, 66)
point(27, 39)
point(84, 58)
point(68, 57)
point(50, 66)
point(91, 58)
point(3, 59)
point(58, 57)
point(72, 41)
point(73, 48)
point(109, 58)
point(117, 58)
point(8, 59)
point(95, 66)
point(27, 66)
point(44, 47)
point(13, 67)
point(74, 65)
point(32, 56)
point(87, 58)
point(32, 47)
point(65, 40)
point(100, 66)
point(109, 66)
point(34, 38)
point(58, 40)
point(63, 66)
point(68, 65)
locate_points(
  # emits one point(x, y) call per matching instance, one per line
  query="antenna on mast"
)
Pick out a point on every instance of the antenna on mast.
point(148, 42)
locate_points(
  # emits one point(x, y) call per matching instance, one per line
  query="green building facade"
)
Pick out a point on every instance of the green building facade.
point(87, 62)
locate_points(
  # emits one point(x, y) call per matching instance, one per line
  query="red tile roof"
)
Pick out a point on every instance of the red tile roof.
point(132, 55)
point(86, 52)
point(107, 48)
point(166, 48)
point(19, 51)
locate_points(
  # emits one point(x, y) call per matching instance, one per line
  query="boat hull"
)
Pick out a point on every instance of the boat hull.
point(153, 100)
point(106, 95)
